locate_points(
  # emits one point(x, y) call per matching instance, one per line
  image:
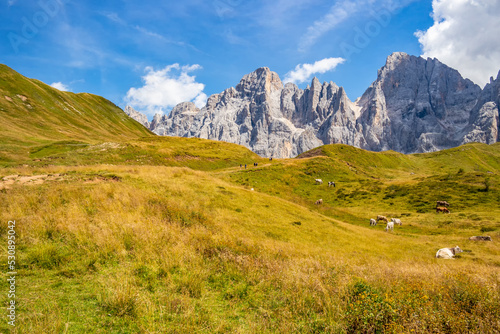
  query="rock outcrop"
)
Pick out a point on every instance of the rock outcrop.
point(138, 116)
point(415, 105)
point(484, 122)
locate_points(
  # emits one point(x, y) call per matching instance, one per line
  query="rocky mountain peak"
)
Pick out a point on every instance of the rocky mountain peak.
point(396, 58)
point(315, 84)
point(492, 78)
point(139, 117)
point(414, 105)
point(262, 80)
point(157, 119)
point(184, 108)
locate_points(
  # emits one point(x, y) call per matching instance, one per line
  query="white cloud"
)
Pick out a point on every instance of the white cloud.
point(304, 72)
point(60, 86)
point(166, 88)
point(201, 100)
point(465, 36)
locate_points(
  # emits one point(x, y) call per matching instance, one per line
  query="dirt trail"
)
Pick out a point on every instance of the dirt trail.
point(10, 180)
point(249, 167)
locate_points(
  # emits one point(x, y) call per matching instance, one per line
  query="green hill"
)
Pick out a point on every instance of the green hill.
point(33, 114)
point(392, 184)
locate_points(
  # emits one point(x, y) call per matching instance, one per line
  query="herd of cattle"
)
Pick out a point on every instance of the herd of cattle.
point(390, 224)
point(441, 206)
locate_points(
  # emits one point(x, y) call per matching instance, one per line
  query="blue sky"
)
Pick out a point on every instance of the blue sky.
point(152, 54)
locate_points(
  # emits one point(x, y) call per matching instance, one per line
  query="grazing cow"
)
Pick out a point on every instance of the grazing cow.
point(331, 184)
point(442, 209)
point(373, 222)
point(442, 203)
point(319, 181)
point(448, 253)
point(480, 238)
point(319, 201)
point(396, 221)
point(382, 218)
point(390, 226)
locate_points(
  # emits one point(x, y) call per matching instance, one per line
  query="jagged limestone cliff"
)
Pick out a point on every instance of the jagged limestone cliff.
point(415, 105)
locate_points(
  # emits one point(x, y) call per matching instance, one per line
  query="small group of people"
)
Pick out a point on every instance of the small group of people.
point(245, 165)
point(255, 164)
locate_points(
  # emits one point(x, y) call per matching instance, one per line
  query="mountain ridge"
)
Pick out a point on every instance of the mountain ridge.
point(33, 114)
point(415, 105)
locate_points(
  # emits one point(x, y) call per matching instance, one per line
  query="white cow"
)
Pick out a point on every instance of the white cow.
point(390, 226)
point(319, 181)
point(448, 253)
point(396, 221)
point(373, 222)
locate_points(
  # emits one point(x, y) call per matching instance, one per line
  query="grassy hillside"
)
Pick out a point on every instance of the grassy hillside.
point(392, 184)
point(120, 231)
point(43, 126)
point(166, 249)
point(195, 153)
point(126, 247)
point(33, 114)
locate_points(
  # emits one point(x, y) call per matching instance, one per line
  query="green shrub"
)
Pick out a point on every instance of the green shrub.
point(367, 311)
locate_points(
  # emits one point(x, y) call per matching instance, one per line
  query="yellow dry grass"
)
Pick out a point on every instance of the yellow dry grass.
point(159, 249)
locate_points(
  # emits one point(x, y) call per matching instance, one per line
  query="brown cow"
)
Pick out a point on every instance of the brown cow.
point(442, 209)
point(382, 218)
point(480, 238)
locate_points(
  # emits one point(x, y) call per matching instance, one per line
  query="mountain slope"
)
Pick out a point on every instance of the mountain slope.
point(415, 105)
point(33, 114)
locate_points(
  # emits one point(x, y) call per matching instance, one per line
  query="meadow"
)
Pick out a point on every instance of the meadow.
point(152, 246)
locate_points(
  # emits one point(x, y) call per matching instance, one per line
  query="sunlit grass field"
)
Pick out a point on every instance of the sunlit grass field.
point(176, 240)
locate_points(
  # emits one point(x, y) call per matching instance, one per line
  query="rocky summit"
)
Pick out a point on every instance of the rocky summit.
point(139, 117)
point(414, 105)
